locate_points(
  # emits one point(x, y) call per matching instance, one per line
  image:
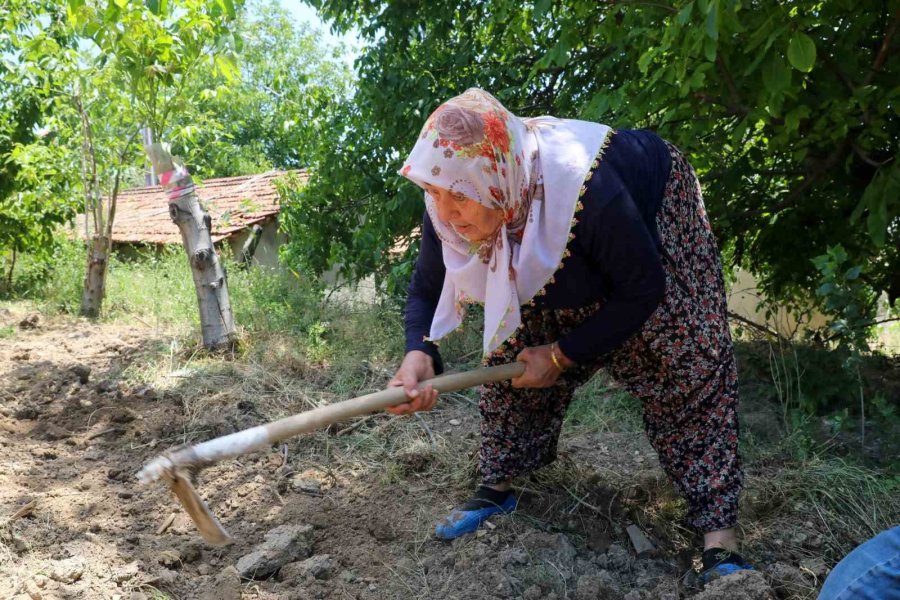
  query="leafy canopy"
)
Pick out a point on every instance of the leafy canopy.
point(788, 111)
point(78, 80)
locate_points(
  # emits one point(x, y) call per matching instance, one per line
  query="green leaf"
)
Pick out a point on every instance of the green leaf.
point(645, 60)
point(712, 20)
point(229, 8)
point(227, 66)
point(878, 221)
point(684, 15)
point(709, 49)
point(541, 8)
point(852, 273)
point(824, 289)
point(776, 75)
point(802, 52)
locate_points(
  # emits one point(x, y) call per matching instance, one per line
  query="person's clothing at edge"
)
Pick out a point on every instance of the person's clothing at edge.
point(612, 257)
point(870, 572)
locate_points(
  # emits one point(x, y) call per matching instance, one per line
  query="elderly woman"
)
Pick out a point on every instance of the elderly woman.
point(588, 248)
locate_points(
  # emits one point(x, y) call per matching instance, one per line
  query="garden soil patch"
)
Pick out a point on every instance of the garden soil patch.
point(73, 433)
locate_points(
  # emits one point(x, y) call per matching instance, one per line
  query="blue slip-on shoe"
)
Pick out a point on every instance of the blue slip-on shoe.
point(469, 517)
point(718, 562)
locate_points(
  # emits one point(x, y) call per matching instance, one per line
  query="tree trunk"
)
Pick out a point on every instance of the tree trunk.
point(95, 276)
point(210, 279)
point(12, 267)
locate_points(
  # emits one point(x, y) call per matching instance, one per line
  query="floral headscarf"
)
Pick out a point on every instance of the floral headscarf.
point(472, 145)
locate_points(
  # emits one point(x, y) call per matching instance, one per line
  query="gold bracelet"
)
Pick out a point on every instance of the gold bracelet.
point(554, 358)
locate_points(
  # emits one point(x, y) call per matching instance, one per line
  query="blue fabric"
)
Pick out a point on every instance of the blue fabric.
point(723, 570)
point(461, 522)
point(870, 572)
point(614, 255)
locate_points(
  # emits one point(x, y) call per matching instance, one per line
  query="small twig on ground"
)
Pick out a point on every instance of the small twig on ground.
point(427, 429)
point(91, 416)
point(528, 490)
point(582, 502)
point(166, 524)
point(22, 512)
point(143, 321)
point(355, 425)
point(458, 396)
point(104, 432)
point(765, 330)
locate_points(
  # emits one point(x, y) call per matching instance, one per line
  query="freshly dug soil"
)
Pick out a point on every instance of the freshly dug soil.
point(73, 434)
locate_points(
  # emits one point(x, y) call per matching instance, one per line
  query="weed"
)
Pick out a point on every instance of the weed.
point(600, 406)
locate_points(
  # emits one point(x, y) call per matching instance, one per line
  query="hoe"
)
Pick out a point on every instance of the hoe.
point(176, 466)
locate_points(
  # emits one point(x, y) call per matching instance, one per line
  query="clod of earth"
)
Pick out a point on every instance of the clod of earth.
point(30, 321)
point(640, 542)
point(590, 587)
point(790, 578)
point(282, 545)
point(306, 486)
point(68, 570)
point(320, 566)
point(50, 432)
point(82, 371)
point(815, 565)
point(125, 573)
point(744, 585)
point(225, 586)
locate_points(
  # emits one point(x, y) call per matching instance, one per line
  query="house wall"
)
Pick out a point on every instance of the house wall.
point(744, 296)
point(267, 251)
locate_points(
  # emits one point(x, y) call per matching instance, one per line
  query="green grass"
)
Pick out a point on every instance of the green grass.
point(600, 406)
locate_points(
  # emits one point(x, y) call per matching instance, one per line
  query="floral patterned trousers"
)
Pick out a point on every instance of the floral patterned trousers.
point(680, 365)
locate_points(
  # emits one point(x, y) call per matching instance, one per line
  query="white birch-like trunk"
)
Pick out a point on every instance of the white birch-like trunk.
point(210, 279)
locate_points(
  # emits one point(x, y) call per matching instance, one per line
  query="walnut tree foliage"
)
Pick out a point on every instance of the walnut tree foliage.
point(788, 111)
point(34, 196)
point(78, 80)
point(269, 115)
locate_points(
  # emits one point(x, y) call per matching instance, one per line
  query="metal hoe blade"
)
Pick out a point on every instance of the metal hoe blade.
point(207, 523)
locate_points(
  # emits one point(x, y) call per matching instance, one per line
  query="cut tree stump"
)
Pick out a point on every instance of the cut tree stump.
point(210, 279)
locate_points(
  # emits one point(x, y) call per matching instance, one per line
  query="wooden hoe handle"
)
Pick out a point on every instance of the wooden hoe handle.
point(262, 436)
point(171, 466)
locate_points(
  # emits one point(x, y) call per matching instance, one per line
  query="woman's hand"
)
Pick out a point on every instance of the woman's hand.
point(540, 370)
point(416, 366)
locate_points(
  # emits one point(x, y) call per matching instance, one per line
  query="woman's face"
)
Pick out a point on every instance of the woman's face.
point(470, 219)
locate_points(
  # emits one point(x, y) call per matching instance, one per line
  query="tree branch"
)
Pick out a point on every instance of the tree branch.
point(881, 58)
point(810, 180)
point(729, 81)
point(756, 326)
point(115, 191)
point(87, 148)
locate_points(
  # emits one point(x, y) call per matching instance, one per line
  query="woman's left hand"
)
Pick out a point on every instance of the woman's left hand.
point(540, 371)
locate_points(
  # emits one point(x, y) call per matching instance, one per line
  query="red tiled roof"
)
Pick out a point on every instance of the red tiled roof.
point(233, 203)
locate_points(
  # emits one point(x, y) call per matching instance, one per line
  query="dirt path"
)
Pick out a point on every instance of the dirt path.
point(72, 435)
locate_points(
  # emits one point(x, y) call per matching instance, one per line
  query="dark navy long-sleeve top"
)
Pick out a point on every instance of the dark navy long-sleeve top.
point(614, 256)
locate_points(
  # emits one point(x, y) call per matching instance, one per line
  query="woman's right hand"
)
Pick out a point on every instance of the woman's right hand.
point(416, 366)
